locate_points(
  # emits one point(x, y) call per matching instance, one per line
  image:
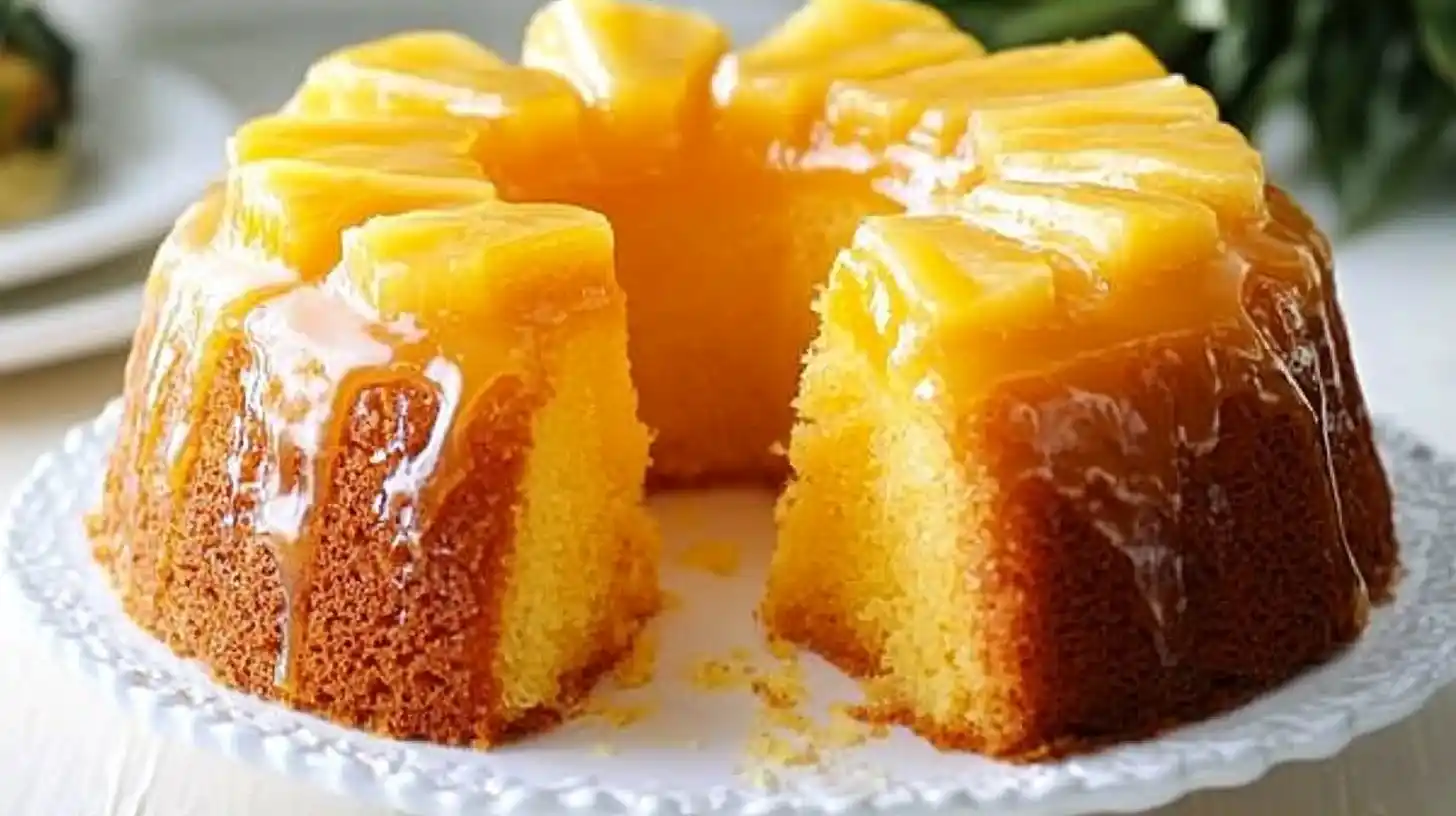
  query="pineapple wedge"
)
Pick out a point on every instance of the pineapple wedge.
point(527, 121)
point(428, 74)
point(292, 211)
point(837, 30)
point(1168, 100)
point(930, 105)
point(642, 68)
point(940, 287)
point(777, 87)
point(942, 268)
point(1208, 162)
point(1118, 238)
point(494, 264)
point(425, 147)
point(1025, 276)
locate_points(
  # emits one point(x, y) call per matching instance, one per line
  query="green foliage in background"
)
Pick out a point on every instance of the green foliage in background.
point(1375, 78)
point(25, 30)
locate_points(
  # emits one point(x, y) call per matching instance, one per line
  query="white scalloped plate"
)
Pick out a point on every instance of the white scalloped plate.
point(1408, 653)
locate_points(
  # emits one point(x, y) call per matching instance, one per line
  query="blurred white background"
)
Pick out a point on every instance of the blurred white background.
point(257, 49)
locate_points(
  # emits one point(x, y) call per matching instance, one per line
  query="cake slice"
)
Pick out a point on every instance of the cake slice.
point(1052, 488)
point(402, 409)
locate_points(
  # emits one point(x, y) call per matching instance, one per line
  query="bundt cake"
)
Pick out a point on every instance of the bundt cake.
point(1080, 452)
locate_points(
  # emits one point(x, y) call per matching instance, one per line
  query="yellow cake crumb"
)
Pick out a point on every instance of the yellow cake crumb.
point(790, 719)
point(844, 730)
point(879, 700)
point(761, 777)
point(718, 674)
point(669, 601)
point(852, 715)
point(772, 749)
point(619, 715)
point(782, 649)
point(785, 736)
point(713, 555)
point(636, 670)
point(782, 687)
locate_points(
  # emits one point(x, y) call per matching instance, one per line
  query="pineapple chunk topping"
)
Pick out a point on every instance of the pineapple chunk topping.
point(1209, 162)
point(934, 298)
point(837, 30)
point(786, 75)
point(644, 67)
point(1168, 100)
point(1118, 238)
point(426, 74)
point(425, 147)
point(473, 266)
point(439, 57)
point(941, 266)
point(292, 212)
point(1024, 278)
point(938, 99)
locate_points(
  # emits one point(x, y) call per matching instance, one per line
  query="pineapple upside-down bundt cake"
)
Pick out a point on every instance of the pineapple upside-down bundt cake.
point(1078, 450)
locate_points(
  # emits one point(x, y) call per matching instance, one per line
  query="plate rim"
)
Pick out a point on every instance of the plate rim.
point(92, 322)
point(163, 80)
point(392, 773)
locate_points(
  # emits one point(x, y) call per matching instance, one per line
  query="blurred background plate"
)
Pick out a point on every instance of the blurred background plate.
point(150, 141)
point(73, 315)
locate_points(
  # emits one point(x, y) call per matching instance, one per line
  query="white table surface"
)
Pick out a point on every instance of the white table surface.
point(64, 750)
